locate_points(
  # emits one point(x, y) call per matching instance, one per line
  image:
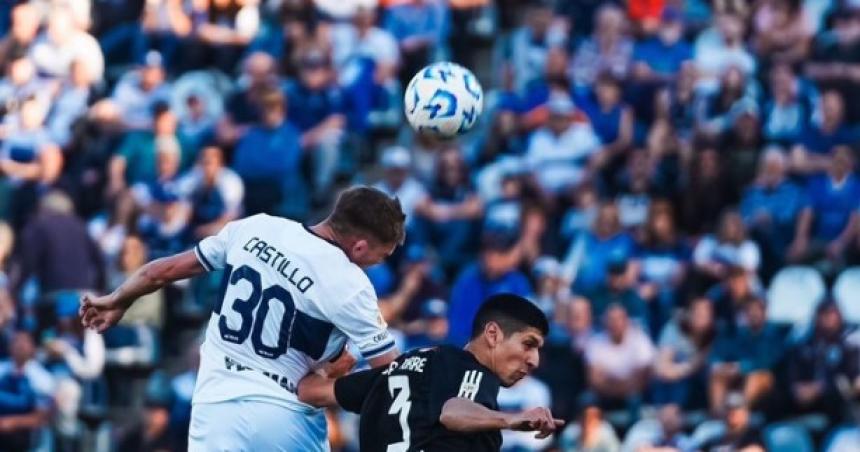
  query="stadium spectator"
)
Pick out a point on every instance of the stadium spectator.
point(135, 160)
point(658, 59)
point(780, 32)
point(739, 434)
point(826, 131)
point(494, 272)
point(610, 118)
point(828, 223)
point(220, 32)
point(787, 109)
point(139, 92)
point(835, 56)
point(259, 76)
point(399, 181)
point(746, 358)
point(418, 26)
point(715, 254)
point(267, 158)
point(562, 153)
point(668, 436)
point(706, 191)
point(729, 297)
point(70, 105)
point(214, 191)
point(770, 208)
point(820, 363)
point(27, 389)
point(434, 330)
point(22, 34)
point(619, 289)
point(62, 43)
point(316, 105)
point(608, 48)
point(682, 356)
point(720, 109)
point(529, 46)
point(619, 361)
point(722, 47)
point(164, 25)
point(447, 217)
point(605, 243)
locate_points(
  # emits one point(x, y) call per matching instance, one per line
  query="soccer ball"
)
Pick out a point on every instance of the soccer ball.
point(444, 100)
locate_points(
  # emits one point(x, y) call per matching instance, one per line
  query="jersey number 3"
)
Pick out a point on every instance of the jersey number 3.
point(251, 326)
point(398, 387)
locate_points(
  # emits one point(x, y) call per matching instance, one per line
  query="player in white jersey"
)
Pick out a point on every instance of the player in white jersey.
point(291, 298)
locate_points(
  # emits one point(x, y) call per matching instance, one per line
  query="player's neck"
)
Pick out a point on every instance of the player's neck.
point(481, 354)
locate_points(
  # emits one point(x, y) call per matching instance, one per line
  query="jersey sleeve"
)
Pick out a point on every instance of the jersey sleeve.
point(359, 318)
point(351, 390)
point(212, 251)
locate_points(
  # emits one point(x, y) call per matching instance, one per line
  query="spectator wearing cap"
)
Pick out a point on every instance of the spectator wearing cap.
point(398, 181)
point(746, 358)
point(214, 191)
point(619, 361)
point(562, 153)
point(135, 161)
point(827, 130)
point(447, 217)
point(605, 243)
point(685, 343)
point(22, 34)
point(62, 43)
point(267, 158)
point(138, 92)
point(658, 59)
point(828, 224)
point(29, 159)
point(418, 26)
point(823, 369)
point(315, 104)
point(770, 208)
point(739, 433)
point(590, 432)
point(433, 330)
point(26, 391)
point(608, 49)
point(494, 272)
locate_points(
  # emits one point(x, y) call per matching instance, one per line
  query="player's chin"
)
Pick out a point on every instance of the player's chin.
point(513, 378)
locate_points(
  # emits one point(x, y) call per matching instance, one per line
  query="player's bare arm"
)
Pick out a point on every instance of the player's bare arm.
point(463, 415)
point(100, 313)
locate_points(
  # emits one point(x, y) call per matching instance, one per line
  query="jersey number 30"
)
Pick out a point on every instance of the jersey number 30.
point(251, 326)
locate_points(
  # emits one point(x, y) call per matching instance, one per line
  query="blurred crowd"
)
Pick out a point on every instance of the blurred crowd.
point(674, 183)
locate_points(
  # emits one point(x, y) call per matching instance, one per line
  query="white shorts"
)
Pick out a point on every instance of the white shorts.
point(247, 425)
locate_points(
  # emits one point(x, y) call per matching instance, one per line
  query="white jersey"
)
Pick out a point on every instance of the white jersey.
point(290, 300)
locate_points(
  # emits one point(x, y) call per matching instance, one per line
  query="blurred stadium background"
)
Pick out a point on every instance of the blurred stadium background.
point(673, 182)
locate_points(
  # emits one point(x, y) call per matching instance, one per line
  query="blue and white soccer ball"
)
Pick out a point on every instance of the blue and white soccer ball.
point(444, 100)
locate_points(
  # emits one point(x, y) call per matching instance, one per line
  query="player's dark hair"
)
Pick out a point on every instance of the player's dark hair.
point(512, 313)
point(364, 210)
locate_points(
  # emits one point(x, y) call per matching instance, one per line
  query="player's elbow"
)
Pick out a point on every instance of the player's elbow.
point(451, 418)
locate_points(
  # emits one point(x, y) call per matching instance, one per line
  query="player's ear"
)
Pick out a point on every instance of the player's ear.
point(493, 334)
point(360, 246)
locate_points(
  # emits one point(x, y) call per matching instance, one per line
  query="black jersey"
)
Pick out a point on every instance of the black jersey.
point(400, 405)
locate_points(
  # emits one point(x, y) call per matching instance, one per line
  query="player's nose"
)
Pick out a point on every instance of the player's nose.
point(532, 360)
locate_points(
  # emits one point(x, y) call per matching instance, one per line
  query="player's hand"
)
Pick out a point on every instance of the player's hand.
point(100, 313)
point(340, 366)
point(535, 419)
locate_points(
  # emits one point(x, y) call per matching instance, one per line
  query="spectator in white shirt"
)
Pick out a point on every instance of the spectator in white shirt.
point(619, 360)
point(561, 152)
point(63, 43)
point(720, 47)
point(137, 93)
point(361, 38)
point(715, 254)
point(214, 191)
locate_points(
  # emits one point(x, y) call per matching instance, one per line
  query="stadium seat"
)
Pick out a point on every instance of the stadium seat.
point(787, 437)
point(843, 439)
point(642, 433)
point(846, 291)
point(706, 431)
point(793, 294)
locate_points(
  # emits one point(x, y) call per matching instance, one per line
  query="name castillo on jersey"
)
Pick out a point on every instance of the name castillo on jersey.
point(276, 259)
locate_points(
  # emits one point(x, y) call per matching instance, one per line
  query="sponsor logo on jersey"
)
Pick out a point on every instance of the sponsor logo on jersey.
point(470, 384)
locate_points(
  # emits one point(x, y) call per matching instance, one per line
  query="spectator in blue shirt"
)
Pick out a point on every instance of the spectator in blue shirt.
point(823, 134)
point(495, 272)
point(267, 159)
point(25, 392)
point(658, 59)
point(611, 119)
point(419, 26)
point(590, 253)
point(770, 208)
point(748, 357)
point(829, 222)
point(787, 111)
point(315, 104)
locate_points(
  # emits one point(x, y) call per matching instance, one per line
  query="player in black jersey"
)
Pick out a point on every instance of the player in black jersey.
point(444, 398)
